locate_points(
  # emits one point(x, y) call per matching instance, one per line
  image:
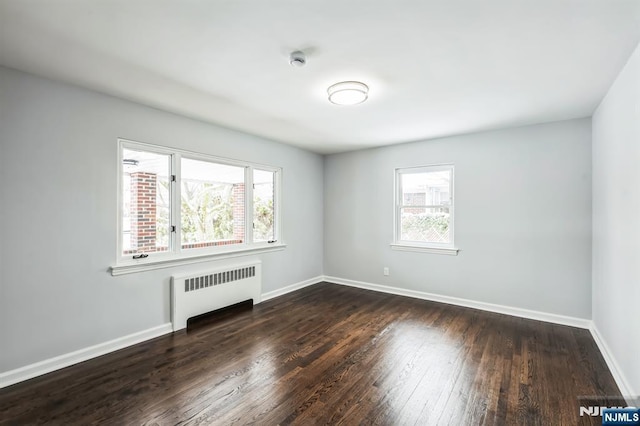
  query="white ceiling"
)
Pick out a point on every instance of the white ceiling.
point(435, 68)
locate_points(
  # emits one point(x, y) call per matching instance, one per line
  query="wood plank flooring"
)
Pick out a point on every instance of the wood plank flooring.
point(331, 354)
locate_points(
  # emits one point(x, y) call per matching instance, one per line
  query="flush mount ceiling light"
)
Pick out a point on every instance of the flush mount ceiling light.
point(348, 93)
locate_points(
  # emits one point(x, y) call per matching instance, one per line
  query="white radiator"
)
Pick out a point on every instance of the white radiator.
point(196, 294)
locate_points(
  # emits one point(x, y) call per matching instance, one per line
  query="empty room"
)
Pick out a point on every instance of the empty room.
point(320, 212)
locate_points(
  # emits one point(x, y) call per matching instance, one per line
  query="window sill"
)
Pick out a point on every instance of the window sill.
point(142, 266)
point(450, 251)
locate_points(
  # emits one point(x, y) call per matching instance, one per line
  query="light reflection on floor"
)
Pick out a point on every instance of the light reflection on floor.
point(425, 368)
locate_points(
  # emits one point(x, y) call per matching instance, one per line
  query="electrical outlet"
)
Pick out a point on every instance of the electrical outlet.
point(385, 271)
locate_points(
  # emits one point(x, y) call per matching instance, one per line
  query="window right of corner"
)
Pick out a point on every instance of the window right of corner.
point(424, 205)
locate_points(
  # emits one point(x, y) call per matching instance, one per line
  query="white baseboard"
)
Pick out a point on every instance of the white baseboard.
point(47, 366)
point(501, 309)
point(615, 369)
point(292, 287)
point(616, 372)
point(43, 367)
point(62, 361)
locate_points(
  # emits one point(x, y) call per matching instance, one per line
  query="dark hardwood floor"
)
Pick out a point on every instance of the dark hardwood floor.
point(330, 354)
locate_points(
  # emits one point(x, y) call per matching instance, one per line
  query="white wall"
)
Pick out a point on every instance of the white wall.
point(616, 222)
point(523, 216)
point(58, 162)
point(522, 220)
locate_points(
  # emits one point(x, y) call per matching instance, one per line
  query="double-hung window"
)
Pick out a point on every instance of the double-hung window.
point(424, 209)
point(177, 205)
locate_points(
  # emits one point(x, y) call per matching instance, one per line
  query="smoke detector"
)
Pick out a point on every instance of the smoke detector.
point(297, 59)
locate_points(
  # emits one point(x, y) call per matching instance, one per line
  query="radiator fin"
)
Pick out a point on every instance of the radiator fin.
point(204, 281)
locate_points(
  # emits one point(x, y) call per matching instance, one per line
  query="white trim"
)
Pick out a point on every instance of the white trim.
point(175, 207)
point(196, 154)
point(616, 371)
point(47, 366)
point(142, 147)
point(623, 384)
point(175, 251)
point(398, 205)
point(248, 205)
point(179, 261)
point(490, 307)
point(43, 367)
point(291, 288)
point(451, 251)
point(277, 202)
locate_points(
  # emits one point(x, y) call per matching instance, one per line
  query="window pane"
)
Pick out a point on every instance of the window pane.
point(425, 224)
point(212, 208)
point(263, 210)
point(145, 201)
point(426, 189)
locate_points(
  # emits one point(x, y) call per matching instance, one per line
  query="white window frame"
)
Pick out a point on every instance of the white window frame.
point(175, 255)
point(426, 247)
point(277, 226)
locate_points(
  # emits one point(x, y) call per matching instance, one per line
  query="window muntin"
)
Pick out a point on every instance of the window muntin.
point(424, 206)
point(199, 205)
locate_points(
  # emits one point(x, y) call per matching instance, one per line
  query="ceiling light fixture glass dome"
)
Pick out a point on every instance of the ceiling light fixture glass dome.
point(348, 93)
